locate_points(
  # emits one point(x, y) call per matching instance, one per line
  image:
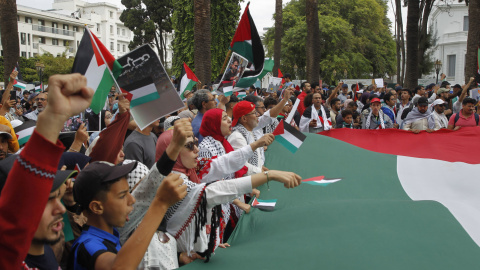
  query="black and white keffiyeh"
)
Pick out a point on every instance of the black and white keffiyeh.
point(380, 116)
point(240, 128)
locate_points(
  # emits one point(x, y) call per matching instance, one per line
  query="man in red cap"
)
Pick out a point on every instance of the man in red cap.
point(376, 119)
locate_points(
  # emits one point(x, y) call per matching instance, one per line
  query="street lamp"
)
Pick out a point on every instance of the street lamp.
point(334, 77)
point(295, 68)
point(438, 66)
point(40, 67)
point(345, 73)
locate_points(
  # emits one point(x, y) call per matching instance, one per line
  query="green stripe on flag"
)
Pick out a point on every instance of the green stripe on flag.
point(286, 143)
point(189, 87)
point(144, 99)
point(101, 93)
point(23, 140)
point(244, 49)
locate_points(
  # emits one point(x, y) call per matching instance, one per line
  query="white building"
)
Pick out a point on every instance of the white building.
point(450, 23)
point(61, 28)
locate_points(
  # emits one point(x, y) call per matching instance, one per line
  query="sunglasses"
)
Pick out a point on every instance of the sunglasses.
point(191, 145)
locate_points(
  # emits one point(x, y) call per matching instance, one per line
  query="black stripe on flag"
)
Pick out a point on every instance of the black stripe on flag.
point(294, 131)
point(26, 125)
point(84, 55)
point(138, 84)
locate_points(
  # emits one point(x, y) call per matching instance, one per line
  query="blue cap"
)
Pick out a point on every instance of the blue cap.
point(345, 85)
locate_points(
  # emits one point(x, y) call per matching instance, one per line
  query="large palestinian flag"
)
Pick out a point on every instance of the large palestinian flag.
point(99, 66)
point(404, 201)
point(248, 44)
point(187, 80)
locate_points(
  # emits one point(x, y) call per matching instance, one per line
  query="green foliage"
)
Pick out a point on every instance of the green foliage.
point(224, 15)
point(53, 65)
point(354, 35)
point(148, 20)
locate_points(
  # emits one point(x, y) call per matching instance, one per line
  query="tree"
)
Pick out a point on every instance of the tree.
point(313, 40)
point(150, 21)
point(354, 35)
point(473, 41)
point(412, 71)
point(278, 37)
point(202, 39)
point(9, 33)
point(400, 42)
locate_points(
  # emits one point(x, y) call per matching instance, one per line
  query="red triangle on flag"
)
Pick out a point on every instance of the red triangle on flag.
point(243, 32)
point(189, 73)
point(280, 75)
point(279, 130)
point(255, 202)
point(129, 95)
point(316, 178)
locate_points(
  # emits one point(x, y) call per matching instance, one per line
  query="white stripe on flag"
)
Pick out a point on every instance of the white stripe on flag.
point(183, 83)
point(291, 138)
point(143, 91)
point(266, 204)
point(227, 89)
point(94, 74)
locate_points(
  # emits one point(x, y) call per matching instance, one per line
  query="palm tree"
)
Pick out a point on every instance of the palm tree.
point(277, 49)
point(413, 15)
point(473, 41)
point(9, 33)
point(202, 40)
point(313, 38)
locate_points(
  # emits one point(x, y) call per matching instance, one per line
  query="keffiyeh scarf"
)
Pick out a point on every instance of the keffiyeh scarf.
point(380, 116)
point(240, 128)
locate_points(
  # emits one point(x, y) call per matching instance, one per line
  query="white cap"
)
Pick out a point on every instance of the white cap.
point(438, 102)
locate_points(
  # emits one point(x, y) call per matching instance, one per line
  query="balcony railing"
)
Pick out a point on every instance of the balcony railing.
point(52, 30)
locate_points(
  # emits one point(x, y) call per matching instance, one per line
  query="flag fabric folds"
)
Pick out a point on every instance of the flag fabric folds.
point(396, 207)
point(99, 66)
point(187, 80)
point(266, 205)
point(248, 44)
point(288, 136)
point(24, 131)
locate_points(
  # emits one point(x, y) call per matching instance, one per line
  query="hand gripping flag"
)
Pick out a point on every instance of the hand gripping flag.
point(187, 80)
point(288, 136)
point(248, 44)
point(99, 66)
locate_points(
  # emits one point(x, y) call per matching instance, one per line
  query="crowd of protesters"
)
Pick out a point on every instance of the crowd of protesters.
point(111, 195)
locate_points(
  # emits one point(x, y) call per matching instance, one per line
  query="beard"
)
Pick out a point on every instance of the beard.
point(45, 241)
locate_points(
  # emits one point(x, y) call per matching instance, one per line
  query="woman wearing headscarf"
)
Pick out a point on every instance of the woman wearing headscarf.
point(187, 220)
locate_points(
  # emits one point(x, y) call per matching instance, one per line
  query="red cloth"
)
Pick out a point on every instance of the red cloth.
point(162, 144)
point(111, 139)
point(242, 108)
point(24, 198)
point(301, 106)
point(442, 144)
point(211, 123)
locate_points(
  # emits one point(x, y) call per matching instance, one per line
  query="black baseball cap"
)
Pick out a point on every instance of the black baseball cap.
point(422, 101)
point(7, 164)
point(89, 180)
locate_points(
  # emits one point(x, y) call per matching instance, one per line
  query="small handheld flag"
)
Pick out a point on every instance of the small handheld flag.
point(266, 205)
point(288, 136)
point(320, 181)
point(187, 80)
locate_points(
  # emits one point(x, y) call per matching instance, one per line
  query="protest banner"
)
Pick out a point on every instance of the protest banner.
point(273, 84)
point(153, 94)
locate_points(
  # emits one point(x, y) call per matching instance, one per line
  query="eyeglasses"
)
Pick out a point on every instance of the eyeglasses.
point(191, 145)
point(41, 99)
point(263, 107)
point(255, 113)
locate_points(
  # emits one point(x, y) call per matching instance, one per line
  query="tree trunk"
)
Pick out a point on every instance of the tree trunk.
point(202, 40)
point(422, 39)
point(277, 50)
point(9, 33)
point(313, 40)
point(473, 41)
point(411, 78)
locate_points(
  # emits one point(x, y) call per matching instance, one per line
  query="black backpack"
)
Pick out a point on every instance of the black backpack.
point(457, 116)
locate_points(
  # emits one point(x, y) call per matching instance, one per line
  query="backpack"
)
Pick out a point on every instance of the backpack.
point(457, 116)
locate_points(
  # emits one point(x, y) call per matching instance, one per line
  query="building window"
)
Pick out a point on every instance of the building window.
point(29, 54)
point(111, 14)
point(28, 39)
point(54, 41)
point(54, 25)
point(23, 38)
point(75, 29)
point(41, 40)
point(465, 23)
point(65, 27)
point(118, 31)
point(124, 48)
point(451, 61)
point(24, 54)
point(123, 32)
point(41, 22)
point(112, 46)
point(28, 20)
point(111, 29)
point(98, 28)
point(118, 47)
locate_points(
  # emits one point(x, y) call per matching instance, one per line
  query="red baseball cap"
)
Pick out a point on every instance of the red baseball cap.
point(375, 100)
point(242, 108)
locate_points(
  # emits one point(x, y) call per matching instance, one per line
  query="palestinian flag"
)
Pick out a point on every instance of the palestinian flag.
point(280, 75)
point(20, 84)
point(266, 205)
point(320, 181)
point(226, 87)
point(142, 91)
point(248, 44)
point(187, 81)
point(288, 136)
point(241, 94)
point(99, 66)
point(24, 131)
point(411, 204)
point(38, 88)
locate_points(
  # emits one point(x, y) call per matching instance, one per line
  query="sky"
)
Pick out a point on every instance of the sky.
point(261, 10)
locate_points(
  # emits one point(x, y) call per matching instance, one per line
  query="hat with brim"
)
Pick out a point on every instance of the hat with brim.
point(438, 102)
point(242, 108)
point(6, 134)
point(375, 100)
point(89, 181)
point(442, 90)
